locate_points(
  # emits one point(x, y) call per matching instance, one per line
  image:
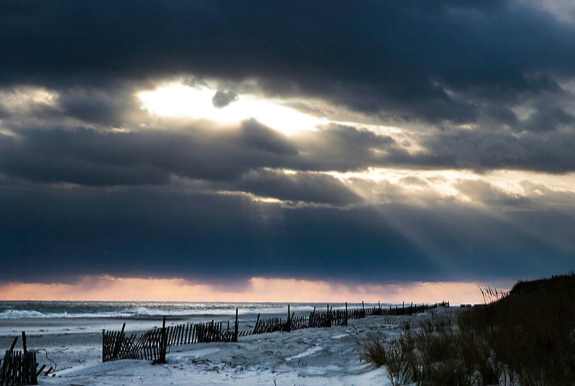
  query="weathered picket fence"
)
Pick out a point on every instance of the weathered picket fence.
point(115, 345)
point(331, 317)
point(298, 323)
point(19, 367)
point(293, 323)
point(264, 326)
point(152, 344)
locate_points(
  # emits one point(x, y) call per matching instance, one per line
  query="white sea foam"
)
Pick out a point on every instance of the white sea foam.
point(15, 314)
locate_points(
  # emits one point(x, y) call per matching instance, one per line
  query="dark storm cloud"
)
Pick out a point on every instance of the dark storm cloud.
point(345, 148)
point(255, 136)
point(98, 158)
point(113, 107)
point(122, 233)
point(443, 62)
point(88, 157)
point(481, 151)
point(549, 119)
point(308, 188)
point(80, 156)
point(101, 158)
point(224, 98)
point(106, 107)
point(392, 56)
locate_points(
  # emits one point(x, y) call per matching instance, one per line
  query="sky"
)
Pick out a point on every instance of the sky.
point(284, 151)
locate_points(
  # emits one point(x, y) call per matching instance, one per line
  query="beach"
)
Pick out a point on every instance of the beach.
point(318, 356)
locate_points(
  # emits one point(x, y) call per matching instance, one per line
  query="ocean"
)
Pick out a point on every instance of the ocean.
point(101, 309)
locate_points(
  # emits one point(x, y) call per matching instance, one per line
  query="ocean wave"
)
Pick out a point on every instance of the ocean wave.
point(15, 314)
point(140, 311)
point(143, 311)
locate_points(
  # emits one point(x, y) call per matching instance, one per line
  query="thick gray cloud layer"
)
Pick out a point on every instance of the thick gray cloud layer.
point(90, 183)
point(404, 58)
point(148, 231)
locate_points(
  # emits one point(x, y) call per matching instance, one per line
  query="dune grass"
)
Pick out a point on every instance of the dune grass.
point(526, 337)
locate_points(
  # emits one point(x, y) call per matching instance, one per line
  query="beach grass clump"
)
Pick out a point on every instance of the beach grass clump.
point(441, 325)
point(452, 357)
point(428, 357)
point(406, 325)
point(427, 325)
point(450, 373)
point(395, 355)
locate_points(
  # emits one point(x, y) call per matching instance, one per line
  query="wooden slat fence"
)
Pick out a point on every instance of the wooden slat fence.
point(152, 344)
point(299, 323)
point(268, 325)
point(319, 319)
point(292, 323)
point(19, 367)
point(149, 345)
point(411, 309)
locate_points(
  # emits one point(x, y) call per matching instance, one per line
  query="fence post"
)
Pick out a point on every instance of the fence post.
point(33, 364)
point(103, 345)
point(289, 319)
point(13, 344)
point(236, 327)
point(24, 341)
point(346, 315)
point(363, 308)
point(256, 325)
point(25, 360)
point(164, 342)
point(118, 342)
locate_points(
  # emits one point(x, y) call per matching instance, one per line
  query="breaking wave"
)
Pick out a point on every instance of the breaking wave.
point(16, 310)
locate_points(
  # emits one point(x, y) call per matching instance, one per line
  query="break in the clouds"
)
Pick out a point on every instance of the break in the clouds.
point(381, 142)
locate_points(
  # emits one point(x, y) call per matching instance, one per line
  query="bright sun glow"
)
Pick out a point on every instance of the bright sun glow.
point(181, 101)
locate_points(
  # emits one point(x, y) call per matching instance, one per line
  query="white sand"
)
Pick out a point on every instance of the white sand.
point(321, 356)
